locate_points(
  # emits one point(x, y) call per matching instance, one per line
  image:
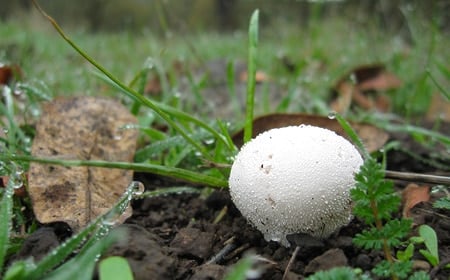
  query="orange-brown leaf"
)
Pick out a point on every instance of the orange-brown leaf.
point(412, 195)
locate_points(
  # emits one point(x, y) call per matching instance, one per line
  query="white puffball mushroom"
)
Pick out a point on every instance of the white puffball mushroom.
point(295, 179)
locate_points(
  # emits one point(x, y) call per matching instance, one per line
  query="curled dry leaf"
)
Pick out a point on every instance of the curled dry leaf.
point(412, 195)
point(373, 137)
point(355, 86)
point(81, 128)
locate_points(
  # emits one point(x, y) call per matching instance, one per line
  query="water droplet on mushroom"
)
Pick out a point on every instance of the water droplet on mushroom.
point(332, 115)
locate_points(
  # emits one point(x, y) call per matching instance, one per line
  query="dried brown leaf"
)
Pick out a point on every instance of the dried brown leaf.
point(355, 86)
point(412, 195)
point(373, 137)
point(81, 128)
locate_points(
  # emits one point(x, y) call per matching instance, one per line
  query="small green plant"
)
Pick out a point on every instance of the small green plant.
point(428, 237)
point(375, 203)
point(443, 203)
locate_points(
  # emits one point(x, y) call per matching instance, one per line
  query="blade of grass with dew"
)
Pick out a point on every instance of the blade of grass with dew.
point(6, 219)
point(87, 261)
point(167, 191)
point(60, 253)
point(172, 172)
point(352, 134)
point(171, 111)
point(140, 77)
point(251, 72)
point(129, 91)
point(226, 134)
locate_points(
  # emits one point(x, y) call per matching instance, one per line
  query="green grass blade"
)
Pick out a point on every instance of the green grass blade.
point(60, 253)
point(6, 220)
point(352, 134)
point(82, 266)
point(172, 172)
point(436, 83)
point(411, 129)
point(251, 72)
point(172, 111)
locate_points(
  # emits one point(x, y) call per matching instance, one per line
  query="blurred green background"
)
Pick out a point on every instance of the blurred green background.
point(163, 16)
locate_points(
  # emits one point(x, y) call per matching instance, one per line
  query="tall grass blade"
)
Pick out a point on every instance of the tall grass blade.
point(353, 136)
point(6, 220)
point(172, 172)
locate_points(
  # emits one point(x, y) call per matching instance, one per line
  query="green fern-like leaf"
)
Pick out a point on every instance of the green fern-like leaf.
point(369, 239)
point(386, 269)
point(395, 230)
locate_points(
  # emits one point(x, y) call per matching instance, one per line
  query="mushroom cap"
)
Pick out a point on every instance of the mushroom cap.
point(295, 179)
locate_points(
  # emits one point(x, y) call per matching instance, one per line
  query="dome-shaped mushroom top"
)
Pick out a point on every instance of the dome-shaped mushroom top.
point(295, 180)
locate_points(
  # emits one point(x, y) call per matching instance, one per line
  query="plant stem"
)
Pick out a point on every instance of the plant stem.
point(379, 226)
point(425, 178)
point(173, 172)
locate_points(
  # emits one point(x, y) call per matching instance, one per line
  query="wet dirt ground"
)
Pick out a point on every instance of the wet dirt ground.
point(176, 237)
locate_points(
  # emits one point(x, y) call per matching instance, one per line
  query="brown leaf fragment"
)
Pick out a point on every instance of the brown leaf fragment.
point(412, 195)
point(363, 87)
point(9, 73)
point(372, 137)
point(80, 128)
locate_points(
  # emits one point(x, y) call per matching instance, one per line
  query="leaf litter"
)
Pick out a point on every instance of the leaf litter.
point(80, 128)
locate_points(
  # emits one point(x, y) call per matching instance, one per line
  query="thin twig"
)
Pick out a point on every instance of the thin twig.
point(416, 177)
point(229, 246)
point(290, 263)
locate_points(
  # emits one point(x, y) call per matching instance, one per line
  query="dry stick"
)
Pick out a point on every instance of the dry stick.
point(290, 263)
point(415, 177)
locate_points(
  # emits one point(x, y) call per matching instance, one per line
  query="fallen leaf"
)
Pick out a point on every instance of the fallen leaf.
point(9, 73)
point(80, 128)
point(363, 87)
point(412, 195)
point(372, 137)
